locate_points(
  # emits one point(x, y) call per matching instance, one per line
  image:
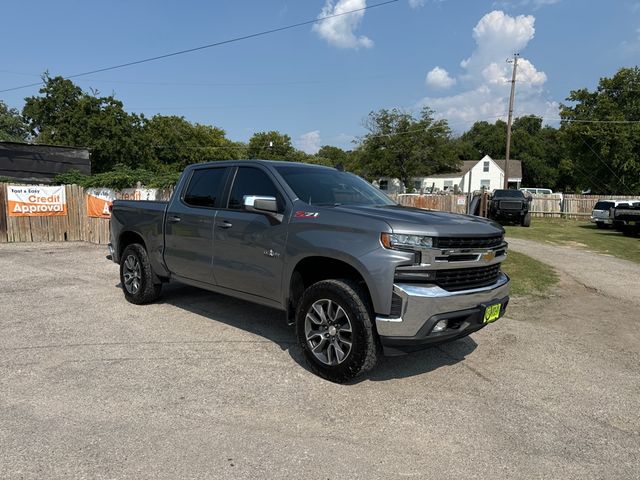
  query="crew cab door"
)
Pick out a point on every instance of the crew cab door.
point(189, 224)
point(249, 247)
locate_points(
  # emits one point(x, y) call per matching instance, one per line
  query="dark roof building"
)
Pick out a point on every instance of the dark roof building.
point(30, 163)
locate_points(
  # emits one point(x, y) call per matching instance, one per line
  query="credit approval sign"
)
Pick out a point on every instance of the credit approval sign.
point(98, 202)
point(36, 201)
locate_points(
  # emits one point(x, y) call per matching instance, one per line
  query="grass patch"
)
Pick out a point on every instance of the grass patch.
point(528, 276)
point(579, 234)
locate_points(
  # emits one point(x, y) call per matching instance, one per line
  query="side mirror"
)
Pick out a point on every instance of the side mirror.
point(260, 204)
point(255, 203)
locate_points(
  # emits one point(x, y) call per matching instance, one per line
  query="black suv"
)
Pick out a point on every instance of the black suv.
point(510, 206)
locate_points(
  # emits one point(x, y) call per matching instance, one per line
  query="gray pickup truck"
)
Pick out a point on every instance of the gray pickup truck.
point(357, 274)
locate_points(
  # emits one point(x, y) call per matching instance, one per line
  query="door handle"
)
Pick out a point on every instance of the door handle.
point(173, 219)
point(225, 224)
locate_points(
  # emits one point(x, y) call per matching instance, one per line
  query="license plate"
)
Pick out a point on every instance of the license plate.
point(633, 222)
point(492, 313)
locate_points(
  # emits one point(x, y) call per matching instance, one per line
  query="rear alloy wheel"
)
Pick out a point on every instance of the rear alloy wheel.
point(335, 330)
point(136, 276)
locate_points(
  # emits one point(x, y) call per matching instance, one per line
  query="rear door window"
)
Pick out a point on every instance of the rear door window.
point(205, 187)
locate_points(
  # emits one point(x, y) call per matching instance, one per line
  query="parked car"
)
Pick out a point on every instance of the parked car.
point(601, 214)
point(510, 206)
point(352, 270)
point(535, 190)
point(626, 217)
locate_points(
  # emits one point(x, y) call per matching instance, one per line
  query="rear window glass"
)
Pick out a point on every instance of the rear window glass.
point(603, 206)
point(205, 187)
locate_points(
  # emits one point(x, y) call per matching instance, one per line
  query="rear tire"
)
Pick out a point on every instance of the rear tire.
point(602, 225)
point(335, 330)
point(136, 276)
point(526, 220)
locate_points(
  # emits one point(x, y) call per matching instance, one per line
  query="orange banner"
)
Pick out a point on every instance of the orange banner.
point(36, 201)
point(99, 201)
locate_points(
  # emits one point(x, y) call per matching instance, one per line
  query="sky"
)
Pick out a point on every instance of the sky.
point(318, 82)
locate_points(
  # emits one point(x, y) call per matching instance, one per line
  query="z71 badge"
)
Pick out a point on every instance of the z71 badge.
point(301, 214)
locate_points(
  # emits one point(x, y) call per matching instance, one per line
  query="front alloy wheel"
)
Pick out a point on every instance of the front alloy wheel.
point(328, 332)
point(334, 326)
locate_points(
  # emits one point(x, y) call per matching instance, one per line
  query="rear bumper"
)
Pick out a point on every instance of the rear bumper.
point(424, 306)
point(606, 221)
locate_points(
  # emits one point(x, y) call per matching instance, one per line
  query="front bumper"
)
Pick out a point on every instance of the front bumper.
point(424, 306)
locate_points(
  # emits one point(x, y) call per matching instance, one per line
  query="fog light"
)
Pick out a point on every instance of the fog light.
point(440, 326)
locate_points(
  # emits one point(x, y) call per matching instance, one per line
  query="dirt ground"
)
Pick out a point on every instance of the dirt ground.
point(204, 386)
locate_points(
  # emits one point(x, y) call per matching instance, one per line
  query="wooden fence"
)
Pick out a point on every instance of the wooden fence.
point(552, 206)
point(78, 226)
point(75, 226)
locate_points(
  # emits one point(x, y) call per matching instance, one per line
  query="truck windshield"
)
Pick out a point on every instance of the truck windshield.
point(324, 186)
point(508, 194)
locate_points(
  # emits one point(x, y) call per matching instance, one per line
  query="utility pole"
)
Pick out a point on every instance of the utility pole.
point(510, 120)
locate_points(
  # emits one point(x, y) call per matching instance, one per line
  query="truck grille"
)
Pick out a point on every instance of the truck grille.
point(510, 205)
point(467, 278)
point(457, 242)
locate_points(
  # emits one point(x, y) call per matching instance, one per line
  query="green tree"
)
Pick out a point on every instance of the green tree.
point(487, 139)
point(178, 142)
point(401, 146)
point(12, 126)
point(271, 145)
point(65, 115)
point(538, 148)
point(601, 134)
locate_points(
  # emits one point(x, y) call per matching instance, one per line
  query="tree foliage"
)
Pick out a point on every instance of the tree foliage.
point(177, 142)
point(402, 146)
point(12, 126)
point(271, 145)
point(597, 146)
point(602, 150)
point(65, 115)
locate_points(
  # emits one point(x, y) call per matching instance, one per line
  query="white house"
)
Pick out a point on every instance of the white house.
point(473, 175)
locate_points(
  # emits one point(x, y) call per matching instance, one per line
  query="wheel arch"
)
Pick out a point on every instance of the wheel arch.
point(315, 268)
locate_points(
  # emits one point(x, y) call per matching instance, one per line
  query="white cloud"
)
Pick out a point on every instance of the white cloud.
point(416, 3)
point(486, 76)
point(309, 142)
point(439, 78)
point(339, 31)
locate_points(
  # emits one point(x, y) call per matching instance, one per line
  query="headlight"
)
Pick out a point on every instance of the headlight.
point(401, 241)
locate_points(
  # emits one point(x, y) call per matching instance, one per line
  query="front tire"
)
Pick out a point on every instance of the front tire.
point(526, 220)
point(136, 276)
point(335, 330)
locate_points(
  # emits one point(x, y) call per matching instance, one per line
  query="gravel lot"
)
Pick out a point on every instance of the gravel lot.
point(204, 386)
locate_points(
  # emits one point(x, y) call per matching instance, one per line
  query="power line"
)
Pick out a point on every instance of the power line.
point(211, 45)
point(603, 162)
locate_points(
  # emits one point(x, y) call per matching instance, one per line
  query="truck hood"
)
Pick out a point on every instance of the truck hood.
point(416, 221)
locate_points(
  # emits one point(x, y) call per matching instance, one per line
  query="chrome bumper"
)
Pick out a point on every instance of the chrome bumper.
point(420, 303)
